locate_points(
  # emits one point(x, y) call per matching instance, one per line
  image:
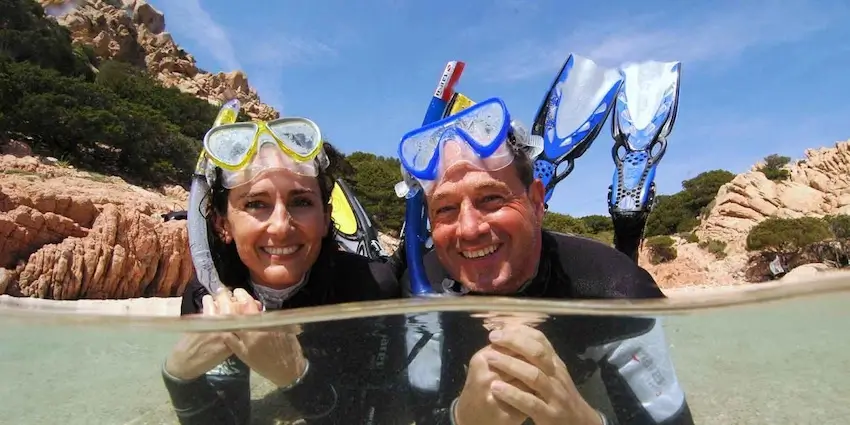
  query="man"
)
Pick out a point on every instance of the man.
point(486, 209)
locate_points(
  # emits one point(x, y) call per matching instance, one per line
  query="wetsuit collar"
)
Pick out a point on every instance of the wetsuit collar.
point(273, 298)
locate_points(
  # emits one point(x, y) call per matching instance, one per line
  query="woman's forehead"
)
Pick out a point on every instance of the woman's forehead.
point(278, 182)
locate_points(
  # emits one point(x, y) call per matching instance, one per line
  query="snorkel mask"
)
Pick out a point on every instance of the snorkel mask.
point(482, 135)
point(243, 151)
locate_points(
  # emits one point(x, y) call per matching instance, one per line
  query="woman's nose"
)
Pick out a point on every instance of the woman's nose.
point(280, 221)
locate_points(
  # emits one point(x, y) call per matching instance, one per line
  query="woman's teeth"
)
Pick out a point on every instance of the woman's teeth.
point(285, 250)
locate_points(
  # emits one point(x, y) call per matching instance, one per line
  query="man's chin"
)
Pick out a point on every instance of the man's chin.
point(491, 285)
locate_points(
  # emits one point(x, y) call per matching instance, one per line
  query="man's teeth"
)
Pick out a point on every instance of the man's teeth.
point(286, 250)
point(481, 252)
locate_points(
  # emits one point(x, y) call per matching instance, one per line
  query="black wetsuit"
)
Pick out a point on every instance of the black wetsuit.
point(347, 367)
point(635, 383)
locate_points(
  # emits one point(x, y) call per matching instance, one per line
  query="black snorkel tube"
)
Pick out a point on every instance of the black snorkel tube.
point(644, 115)
point(199, 243)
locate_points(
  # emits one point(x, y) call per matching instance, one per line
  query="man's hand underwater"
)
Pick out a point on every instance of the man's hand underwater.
point(519, 376)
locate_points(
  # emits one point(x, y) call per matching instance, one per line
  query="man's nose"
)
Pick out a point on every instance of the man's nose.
point(471, 223)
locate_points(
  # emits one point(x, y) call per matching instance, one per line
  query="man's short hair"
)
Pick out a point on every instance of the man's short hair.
point(522, 163)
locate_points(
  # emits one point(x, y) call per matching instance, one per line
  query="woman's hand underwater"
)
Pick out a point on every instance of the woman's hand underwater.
point(276, 355)
point(197, 353)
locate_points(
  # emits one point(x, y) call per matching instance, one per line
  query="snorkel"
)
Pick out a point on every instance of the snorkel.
point(644, 115)
point(571, 116)
point(199, 243)
point(415, 227)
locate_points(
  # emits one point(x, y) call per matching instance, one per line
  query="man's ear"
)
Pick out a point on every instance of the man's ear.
point(537, 194)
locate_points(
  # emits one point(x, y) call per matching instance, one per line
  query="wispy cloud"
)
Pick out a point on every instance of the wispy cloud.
point(196, 23)
point(723, 33)
point(263, 52)
point(281, 51)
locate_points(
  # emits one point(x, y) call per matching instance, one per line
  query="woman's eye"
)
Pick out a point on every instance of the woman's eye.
point(302, 202)
point(253, 205)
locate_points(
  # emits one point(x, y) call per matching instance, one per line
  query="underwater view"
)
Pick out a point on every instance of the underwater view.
point(772, 356)
point(443, 213)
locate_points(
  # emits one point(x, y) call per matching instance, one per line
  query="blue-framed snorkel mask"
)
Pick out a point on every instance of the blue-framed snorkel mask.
point(482, 135)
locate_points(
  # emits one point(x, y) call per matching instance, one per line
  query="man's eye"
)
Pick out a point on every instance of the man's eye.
point(490, 199)
point(444, 210)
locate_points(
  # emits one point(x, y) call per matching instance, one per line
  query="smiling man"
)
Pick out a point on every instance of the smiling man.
point(486, 212)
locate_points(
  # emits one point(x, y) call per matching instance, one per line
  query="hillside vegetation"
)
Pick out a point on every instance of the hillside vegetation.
point(112, 117)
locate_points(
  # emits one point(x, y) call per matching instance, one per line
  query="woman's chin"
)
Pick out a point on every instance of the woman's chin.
point(279, 276)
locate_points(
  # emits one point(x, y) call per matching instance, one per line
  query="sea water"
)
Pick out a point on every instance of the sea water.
point(765, 357)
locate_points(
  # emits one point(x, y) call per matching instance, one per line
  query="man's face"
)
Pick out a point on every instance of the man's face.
point(486, 226)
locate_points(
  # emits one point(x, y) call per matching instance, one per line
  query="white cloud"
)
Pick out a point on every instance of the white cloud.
point(196, 23)
point(261, 53)
point(723, 33)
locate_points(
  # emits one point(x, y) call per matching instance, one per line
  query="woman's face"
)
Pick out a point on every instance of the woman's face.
point(277, 222)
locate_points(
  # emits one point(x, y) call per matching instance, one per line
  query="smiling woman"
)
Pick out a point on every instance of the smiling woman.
point(273, 245)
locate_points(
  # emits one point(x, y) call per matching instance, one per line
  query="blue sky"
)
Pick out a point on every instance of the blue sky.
point(758, 77)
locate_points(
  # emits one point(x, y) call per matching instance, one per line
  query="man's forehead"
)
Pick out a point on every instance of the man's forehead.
point(468, 181)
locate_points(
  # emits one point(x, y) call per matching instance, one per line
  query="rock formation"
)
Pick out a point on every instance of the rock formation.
point(134, 31)
point(819, 185)
point(67, 234)
point(103, 239)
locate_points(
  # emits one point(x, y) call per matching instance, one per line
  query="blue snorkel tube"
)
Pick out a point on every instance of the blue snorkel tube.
point(571, 116)
point(645, 112)
point(415, 228)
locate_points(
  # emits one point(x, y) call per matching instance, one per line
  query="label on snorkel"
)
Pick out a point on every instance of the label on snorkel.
point(450, 76)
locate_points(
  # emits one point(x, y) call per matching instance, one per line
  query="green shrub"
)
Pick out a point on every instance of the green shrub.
point(787, 235)
point(716, 247)
point(691, 237)
point(772, 168)
point(661, 249)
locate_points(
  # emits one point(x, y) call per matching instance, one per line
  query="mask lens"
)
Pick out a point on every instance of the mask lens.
point(231, 143)
point(484, 125)
point(300, 136)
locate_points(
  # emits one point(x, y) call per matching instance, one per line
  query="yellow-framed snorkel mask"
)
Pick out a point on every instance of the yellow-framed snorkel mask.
point(245, 149)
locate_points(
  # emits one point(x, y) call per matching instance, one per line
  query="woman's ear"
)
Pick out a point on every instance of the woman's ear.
point(328, 214)
point(222, 229)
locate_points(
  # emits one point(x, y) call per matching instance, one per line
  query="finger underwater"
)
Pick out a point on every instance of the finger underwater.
point(526, 342)
point(533, 378)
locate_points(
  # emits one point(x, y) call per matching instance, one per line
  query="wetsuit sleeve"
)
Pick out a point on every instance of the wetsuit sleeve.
point(222, 396)
point(641, 381)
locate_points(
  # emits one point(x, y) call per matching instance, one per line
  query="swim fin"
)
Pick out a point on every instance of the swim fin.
point(571, 116)
point(644, 115)
point(354, 231)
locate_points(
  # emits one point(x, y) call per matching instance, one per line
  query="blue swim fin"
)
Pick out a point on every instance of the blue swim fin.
point(644, 115)
point(571, 116)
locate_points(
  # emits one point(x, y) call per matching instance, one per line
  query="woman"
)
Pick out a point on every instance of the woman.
point(272, 242)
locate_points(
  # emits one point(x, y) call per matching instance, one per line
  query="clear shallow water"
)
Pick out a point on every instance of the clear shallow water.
point(741, 360)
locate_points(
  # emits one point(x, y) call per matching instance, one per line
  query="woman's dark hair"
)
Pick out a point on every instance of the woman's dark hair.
point(231, 269)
